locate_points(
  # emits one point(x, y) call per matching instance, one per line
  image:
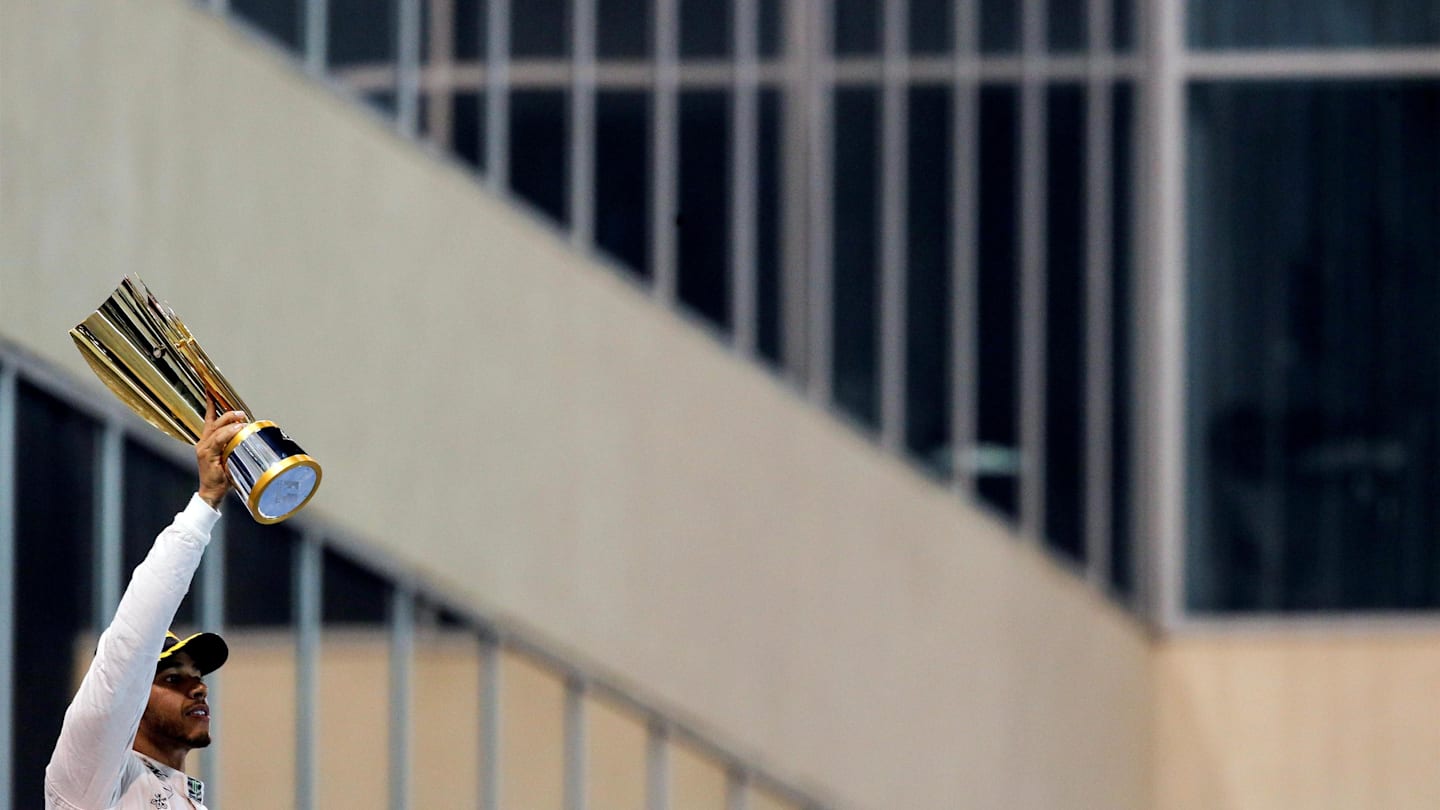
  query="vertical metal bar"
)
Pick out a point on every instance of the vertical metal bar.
point(402, 662)
point(820, 289)
point(795, 208)
point(582, 125)
point(743, 208)
point(9, 402)
point(664, 170)
point(497, 96)
point(1099, 272)
point(1159, 453)
point(440, 67)
point(657, 767)
point(218, 6)
point(737, 790)
point(317, 36)
point(964, 249)
point(893, 249)
point(109, 523)
point(489, 725)
point(212, 619)
point(574, 744)
point(1033, 228)
point(407, 68)
point(307, 600)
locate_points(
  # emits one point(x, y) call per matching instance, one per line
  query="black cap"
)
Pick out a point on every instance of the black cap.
point(207, 650)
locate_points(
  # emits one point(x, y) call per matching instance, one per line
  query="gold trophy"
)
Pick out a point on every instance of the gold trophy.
point(142, 351)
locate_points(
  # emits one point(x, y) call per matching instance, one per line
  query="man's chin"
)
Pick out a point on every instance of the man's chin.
point(201, 740)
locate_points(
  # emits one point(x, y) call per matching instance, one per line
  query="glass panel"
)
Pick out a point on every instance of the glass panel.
point(624, 29)
point(622, 177)
point(856, 240)
point(1314, 373)
point(1312, 23)
point(697, 782)
point(995, 459)
point(539, 157)
point(706, 28)
point(771, 20)
point(857, 27)
point(361, 32)
point(703, 221)
point(155, 489)
point(445, 692)
point(927, 317)
point(354, 686)
point(614, 757)
point(540, 29)
point(999, 26)
point(532, 735)
point(1067, 25)
point(1123, 19)
point(931, 23)
point(1122, 310)
point(767, 233)
point(1065, 320)
point(55, 469)
point(471, 29)
point(280, 19)
point(467, 129)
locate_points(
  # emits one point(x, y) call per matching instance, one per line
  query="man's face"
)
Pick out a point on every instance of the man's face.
point(177, 714)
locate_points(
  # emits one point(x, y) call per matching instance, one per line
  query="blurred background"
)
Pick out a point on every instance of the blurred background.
point(750, 404)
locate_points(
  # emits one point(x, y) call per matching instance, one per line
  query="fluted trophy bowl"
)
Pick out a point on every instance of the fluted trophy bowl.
point(143, 353)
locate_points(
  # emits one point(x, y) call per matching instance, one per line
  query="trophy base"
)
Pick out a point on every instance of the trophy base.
point(273, 475)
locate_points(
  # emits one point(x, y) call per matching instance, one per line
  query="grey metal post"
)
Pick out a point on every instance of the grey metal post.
point(9, 401)
point(665, 154)
point(109, 523)
point(489, 725)
point(497, 96)
point(402, 662)
point(407, 68)
point(1099, 273)
point(317, 36)
point(743, 145)
point(819, 295)
point(212, 619)
point(657, 767)
point(1160, 349)
point(307, 596)
point(582, 125)
point(1033, 228)
point(737, 790)
point(795, 205)
point(894, 165)
point(575, 766)
point(964, 246)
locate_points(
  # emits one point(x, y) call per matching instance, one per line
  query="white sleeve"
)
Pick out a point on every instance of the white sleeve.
point(100, 724)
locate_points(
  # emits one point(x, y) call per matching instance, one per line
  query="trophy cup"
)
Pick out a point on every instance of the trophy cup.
point(142, 351)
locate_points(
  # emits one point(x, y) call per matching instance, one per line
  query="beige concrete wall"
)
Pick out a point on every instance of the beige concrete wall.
point(528, 430)
point(1289, 719)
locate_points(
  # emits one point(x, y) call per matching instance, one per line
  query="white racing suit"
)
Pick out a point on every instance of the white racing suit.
point(94, 766)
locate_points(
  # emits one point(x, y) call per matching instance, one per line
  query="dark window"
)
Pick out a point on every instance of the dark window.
point(1312, 23)
point(995, 456)
point(351, 593)
point(54, 523)
point(623, 29)
point(703, 219)
point(622, 177)
point(706, 28)
point(772, 19)
point(999, 26)
point(1123, 22)
point(855, 261)
point(931, 24)
point(472, 29)
point(361, 32)
point(539, 159)
point(280, 19)
point(156, 488)
point(767, 233)
point(1313, 368)
point(857, 27)
point(1122, 311)
point(540, 29)
point(259, 561)
point(1065, 320)
point(1066, 25)
point(467, 128)
point(928, 298)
